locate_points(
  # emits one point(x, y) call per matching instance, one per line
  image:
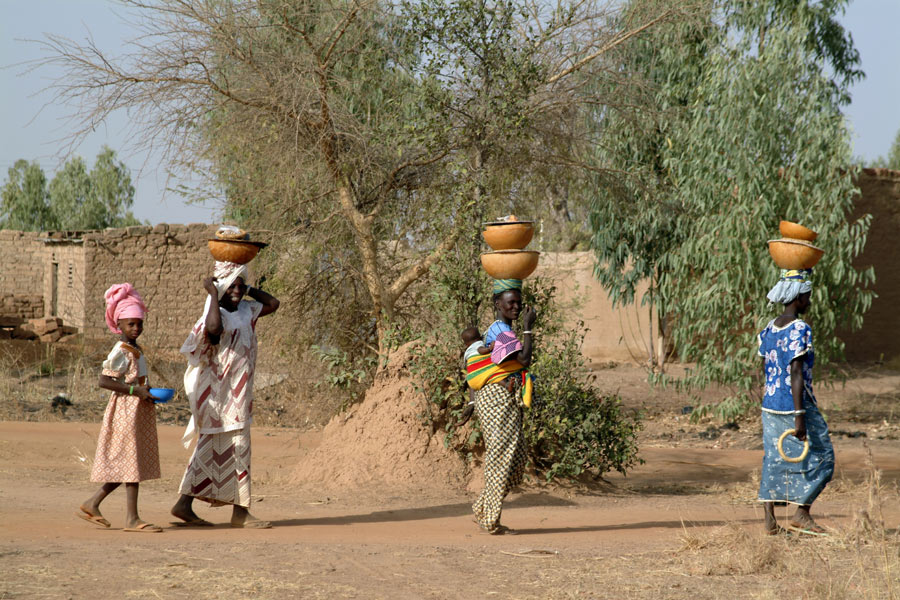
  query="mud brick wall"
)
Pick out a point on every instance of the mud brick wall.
point(166, 263)
point(26, 307)
point(21, 268)
point(879, 338)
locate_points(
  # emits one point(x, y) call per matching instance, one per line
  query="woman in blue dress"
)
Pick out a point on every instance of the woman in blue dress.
point(786, 344)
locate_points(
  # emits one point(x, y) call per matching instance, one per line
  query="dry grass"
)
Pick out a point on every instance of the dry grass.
point(858, 561)
point(32, 374)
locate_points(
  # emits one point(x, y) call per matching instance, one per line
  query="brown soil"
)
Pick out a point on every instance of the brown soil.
point(623, 540)
point(374, 506)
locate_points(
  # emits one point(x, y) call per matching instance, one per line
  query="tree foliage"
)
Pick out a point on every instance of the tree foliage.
point(25, 201)
point(75, 199)
point(751, 133)
point(363, 136)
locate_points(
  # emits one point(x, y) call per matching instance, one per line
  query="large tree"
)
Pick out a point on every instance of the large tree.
point(354, 129)
point(757, 135)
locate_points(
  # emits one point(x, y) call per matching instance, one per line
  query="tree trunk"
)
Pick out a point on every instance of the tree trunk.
point(382, 302)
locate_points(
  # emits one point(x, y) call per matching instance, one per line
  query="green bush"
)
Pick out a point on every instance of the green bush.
point(571, 428)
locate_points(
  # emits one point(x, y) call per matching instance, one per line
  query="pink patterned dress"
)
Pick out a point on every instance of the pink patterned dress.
point(127, 448)
point(219, 385)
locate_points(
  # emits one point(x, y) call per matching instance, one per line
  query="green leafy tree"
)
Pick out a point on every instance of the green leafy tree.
point(24, 201)
point(75, 199)
point(636, 220)
point(770, 143)
point(94, 199)
point(356, 127)
point(755, 136)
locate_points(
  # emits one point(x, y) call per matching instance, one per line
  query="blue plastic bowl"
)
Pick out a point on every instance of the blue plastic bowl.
point(162, 395)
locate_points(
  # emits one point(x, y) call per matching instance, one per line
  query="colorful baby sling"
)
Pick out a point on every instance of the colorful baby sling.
point(480, 371)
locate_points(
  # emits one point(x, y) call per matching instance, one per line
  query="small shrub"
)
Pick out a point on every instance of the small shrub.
point(570, 429)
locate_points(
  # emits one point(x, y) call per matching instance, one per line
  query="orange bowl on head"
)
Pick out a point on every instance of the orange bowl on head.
point(796, 231)
point(240, 252)
point(510, 264)
point(508, 236)
point(794, 254)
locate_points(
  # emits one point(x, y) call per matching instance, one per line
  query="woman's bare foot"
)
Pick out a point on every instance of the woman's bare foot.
point(241, 517)
point(184, 510)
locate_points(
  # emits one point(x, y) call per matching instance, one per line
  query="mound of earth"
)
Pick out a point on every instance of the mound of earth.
point(384, 442)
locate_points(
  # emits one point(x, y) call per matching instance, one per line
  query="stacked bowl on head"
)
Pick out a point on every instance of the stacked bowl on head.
point(233, 245)
point(508, 238)
point(795, 250)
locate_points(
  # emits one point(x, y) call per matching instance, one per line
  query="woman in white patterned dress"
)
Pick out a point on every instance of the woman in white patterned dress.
point(221, 354)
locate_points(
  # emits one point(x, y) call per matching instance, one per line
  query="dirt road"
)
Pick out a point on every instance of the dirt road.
point(371, 544)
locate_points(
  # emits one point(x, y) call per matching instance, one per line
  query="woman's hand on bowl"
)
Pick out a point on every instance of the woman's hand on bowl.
point(209, 284)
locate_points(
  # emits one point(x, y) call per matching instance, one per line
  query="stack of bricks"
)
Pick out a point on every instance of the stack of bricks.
point(44, 329)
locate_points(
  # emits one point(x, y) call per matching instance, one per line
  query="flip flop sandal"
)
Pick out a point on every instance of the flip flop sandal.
point(253, 525)
point(500, 530)
point(95, 519)
point(144, 528)
point(192, 523)
point(808, 531)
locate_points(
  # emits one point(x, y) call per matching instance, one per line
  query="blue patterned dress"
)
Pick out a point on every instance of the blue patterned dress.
point(781, 481)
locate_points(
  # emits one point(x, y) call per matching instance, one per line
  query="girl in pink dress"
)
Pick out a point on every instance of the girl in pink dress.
point(127, 448)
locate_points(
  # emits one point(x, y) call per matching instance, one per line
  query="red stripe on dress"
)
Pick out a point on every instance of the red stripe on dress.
point(240, 385)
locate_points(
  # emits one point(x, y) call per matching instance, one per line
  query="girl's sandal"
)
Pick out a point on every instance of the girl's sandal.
point(144, 528)
point(91, 518)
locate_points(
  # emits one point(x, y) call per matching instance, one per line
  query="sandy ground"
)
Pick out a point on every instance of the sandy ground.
point(621, 539)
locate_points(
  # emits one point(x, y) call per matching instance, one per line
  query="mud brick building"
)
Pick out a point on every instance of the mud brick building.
point(64, 274)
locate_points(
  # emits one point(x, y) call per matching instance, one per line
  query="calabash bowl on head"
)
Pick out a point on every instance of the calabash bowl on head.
point(795, 231)
point(510, 264)
point(794, 254)
point(240, 252)
point(512, 235)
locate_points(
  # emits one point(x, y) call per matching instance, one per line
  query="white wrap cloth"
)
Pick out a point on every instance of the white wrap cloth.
point(219, 379)
point(792, 283)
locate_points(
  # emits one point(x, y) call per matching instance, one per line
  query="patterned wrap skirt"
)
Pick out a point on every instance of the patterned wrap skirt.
point(127, 447)
point(219, 470)
point(802, 482)
point(500, 413)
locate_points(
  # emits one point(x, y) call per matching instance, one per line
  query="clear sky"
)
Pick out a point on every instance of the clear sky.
point(30, 132)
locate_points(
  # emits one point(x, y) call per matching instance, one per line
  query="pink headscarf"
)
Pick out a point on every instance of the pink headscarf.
point(123, 302)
